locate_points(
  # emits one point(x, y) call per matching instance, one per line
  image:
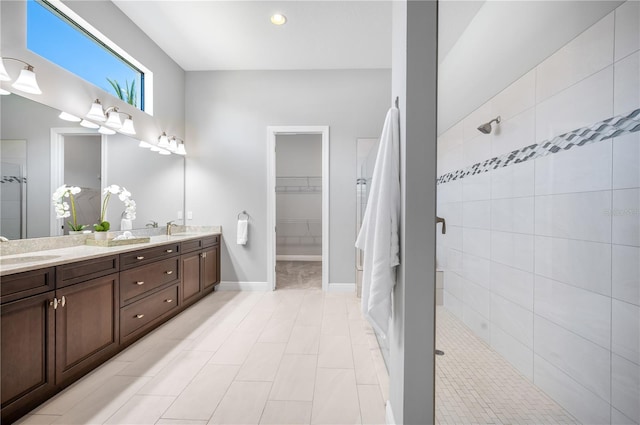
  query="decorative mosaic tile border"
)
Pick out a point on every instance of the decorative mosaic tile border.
point(603, 130)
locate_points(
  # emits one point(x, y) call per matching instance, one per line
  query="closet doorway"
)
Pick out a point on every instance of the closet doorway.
point(298, 207)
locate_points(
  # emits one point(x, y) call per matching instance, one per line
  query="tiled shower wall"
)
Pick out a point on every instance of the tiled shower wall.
point(542, 258)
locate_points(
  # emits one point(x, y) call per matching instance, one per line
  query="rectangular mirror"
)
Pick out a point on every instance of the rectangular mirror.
point(62, 152)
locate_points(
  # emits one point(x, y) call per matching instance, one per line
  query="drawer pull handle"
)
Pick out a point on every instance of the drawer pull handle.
point(54, 303)
point(139, 316)
point(140, 257)
point(63, 301)
point(169, 272)
point(168, 301)
point(169, 251)
point(140, 282)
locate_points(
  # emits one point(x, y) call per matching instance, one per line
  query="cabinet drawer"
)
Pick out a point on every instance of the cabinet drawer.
point(210, 241)
point(138, 281)
point(72, 273)
point(21, 285)
point(136, 315)
point(146, 256)
point(192, 245)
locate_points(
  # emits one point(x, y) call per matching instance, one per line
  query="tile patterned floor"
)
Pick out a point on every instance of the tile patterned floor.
point(298, 274)
point(283, 357)
point(474, 385)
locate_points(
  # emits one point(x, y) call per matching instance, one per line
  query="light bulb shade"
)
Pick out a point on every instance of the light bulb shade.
point(113, 121)
point(68, 117)
point(4, 92)
point(173, 144)
point(4, 76)
point(144, 144)
point(96, 113)
point(163, 141)
point(127, 127)
point(164, 152)
point(26, 82)
point(105, 130)
point(181, 150)
point(89, 124)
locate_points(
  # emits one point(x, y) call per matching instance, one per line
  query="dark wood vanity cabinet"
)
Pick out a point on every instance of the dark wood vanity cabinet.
point(58, 323)
point(27, 350)
point(200, 268)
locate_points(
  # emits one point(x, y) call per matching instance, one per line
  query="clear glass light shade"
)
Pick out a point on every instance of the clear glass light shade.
point(163, 141)
point(26, 82)
point(89, 124)
point(164, 152)
point(96, 113)
point(113, 121)
point(181, 150)
point(4, 92)
point(105, 130)
point(68, 117)
point(144, 144)
point(127, 127)
point(4, 76)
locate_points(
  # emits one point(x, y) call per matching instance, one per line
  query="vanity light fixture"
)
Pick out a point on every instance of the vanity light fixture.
point(163, 141)
point(127, 126)
point(105, 130)
point(278, 19)
point(173, 144)
point(25, 82)
point(113, 119)
point(181, 150)
point(68, 117)
point(89, 124)
point(96, 112)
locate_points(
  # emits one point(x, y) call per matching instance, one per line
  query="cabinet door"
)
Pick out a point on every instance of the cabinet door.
point(86, 326)
point(190, 277)
point(27, 353)
point(210, 267)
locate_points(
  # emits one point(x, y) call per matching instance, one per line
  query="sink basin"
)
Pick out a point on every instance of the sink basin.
point(185, 234)
point(27, 259)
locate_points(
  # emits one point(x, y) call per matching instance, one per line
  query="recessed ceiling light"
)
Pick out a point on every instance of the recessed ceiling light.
point(278, 19)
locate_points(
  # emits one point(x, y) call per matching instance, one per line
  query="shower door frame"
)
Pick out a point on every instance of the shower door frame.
point(272, 133)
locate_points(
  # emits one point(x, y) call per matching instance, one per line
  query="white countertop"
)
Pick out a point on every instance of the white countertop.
point(17, 263)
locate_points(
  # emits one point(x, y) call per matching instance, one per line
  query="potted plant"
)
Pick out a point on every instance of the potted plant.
point(124, 195)
point(66, 209)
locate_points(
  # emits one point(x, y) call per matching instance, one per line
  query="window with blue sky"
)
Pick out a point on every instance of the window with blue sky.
point(55, 37)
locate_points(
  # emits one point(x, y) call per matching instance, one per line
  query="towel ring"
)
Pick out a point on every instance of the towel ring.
point(240, 214)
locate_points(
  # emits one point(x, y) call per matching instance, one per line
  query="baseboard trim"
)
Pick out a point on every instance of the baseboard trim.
point(243, 286)
point(298, 257)
point(341, 287)
point(389, 418)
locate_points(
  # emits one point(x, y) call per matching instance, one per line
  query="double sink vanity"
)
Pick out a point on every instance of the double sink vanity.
point(64, 311)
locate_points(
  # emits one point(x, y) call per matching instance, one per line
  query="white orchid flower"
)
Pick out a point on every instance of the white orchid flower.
point(75, 190)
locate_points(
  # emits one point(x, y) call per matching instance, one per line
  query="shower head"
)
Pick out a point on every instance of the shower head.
point(486, 127)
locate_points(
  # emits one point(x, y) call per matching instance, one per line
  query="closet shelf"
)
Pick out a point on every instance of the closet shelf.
point(305, 231)
point(299, 185)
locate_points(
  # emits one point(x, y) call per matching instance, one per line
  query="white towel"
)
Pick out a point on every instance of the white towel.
point(243, 231)
point(378, 236)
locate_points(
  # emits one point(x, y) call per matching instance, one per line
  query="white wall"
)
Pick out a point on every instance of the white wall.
point(542, 258)
point(227, 117)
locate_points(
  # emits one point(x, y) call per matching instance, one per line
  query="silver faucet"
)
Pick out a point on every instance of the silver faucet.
point(170, 224)
point(153, 224)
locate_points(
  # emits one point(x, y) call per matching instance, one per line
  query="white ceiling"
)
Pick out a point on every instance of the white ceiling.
point(238, 35)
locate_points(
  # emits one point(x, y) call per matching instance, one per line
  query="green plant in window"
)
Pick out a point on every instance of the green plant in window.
point(128, 94)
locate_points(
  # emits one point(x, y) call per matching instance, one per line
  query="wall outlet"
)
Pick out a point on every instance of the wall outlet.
point(189, 215)
point(179, 215)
